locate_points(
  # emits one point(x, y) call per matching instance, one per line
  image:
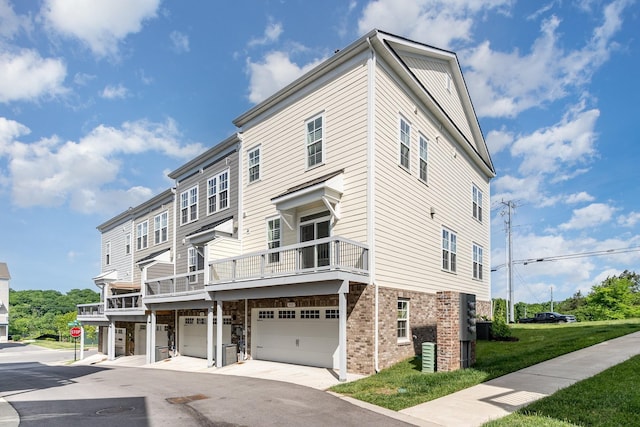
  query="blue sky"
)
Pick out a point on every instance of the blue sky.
point(99, 101)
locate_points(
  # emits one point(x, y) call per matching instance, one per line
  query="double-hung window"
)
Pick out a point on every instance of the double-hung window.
point(107, 252)
point(142, 235)
point(189, 205)
point(253, 157)
point(127, 244)
point(477, 262)
point(405, 143)
point(403, 320)
point(449, 248)
point(315, 142)
point(218, 192)
point(273, 238)
point(161, 228)
point(424, 157)
point(477, 203)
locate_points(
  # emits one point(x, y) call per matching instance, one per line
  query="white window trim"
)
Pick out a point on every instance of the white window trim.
point(424, 159)
point(189, 206)
point(257, 164)
point(107, 253)
point(478, 260)
point(323, 141)
point(404, 339)
point(142, 231)
point(274, 258)
point(127, 244)
point(219, 191)
point(477, 202)
point(401, 143)
point(192, 263)
point(159, 218)
point(451, 248)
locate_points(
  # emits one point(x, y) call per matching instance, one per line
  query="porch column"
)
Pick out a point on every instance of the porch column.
point(152, 338)
point(111, 341)
point(147, 332)
point(210, 337)
point(342, 330)
point(219, 334)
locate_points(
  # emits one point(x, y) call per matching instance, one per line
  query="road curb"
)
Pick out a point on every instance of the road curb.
point(8, 416)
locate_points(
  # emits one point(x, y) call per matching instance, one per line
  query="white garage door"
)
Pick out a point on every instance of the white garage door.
point(304, 336)
point(162, 338)
point(193, 335)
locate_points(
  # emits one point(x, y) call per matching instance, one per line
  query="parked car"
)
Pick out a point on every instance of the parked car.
point(549, 317)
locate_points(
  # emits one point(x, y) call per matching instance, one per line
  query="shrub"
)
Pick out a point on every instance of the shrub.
point(500, 330)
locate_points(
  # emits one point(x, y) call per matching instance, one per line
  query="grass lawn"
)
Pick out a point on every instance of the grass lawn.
point(55, 345)
point(611, 398)
point(404, 385)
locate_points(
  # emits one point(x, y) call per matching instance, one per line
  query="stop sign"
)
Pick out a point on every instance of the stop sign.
point(75, 332)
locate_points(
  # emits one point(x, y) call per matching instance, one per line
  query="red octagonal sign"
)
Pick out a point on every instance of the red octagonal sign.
point(75, 332)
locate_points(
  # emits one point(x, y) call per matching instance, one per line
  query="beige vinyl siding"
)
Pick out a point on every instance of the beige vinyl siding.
point(408, 240)
point(224, 247)
point(432, 73)
point(159, 270)
point(120, 261)
point(200, 178)
point(282, 139)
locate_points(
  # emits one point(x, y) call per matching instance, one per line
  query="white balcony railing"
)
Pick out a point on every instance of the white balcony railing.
point(124, 302)
point(331, 253)
point(178, 284)
point(91, 310)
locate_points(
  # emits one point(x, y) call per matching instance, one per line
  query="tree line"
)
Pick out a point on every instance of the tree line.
point(616, 297)
point(46, 314)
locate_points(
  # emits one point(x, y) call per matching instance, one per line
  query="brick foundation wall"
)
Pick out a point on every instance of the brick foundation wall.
point(483, 309)
point(448, 341)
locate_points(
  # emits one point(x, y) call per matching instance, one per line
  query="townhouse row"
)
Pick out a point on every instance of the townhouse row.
point(337, 228)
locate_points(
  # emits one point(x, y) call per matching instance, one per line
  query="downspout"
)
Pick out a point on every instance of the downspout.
point(371, 174)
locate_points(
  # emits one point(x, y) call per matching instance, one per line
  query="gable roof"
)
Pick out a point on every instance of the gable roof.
point(391, 49)
point(4, 271)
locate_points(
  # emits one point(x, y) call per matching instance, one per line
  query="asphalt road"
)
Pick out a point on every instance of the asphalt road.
point(59, 395)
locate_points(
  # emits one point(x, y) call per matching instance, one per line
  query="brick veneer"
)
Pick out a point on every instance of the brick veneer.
point(448, 341)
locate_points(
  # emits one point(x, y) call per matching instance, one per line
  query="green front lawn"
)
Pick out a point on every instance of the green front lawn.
point(611, 398)
point(404, 385)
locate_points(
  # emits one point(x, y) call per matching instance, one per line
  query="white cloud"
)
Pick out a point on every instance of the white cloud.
point(271, 34)
point(82, 79)
point(179, 42)
point(629, 220)
point(498, 140)
point(503, 84)
point(101, 26)
point(594, 215)
point(10, 23)
point(567, 143)
point(273, 73)
point(114, 92)
point(580, 197)
point(528, 189)
point(26, 76)
point(86, 174)
point(435, 22)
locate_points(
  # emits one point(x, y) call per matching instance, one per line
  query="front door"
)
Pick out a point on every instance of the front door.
point(315, 255)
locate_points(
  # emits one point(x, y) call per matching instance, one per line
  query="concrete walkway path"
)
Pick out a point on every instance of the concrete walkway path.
point(501, 396)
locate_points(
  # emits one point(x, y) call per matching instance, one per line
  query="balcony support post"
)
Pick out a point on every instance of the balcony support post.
point(342, 332)
point(147, 350)
point(210, 337)
point(111, 341)
point(219, 334)
point(151, 337)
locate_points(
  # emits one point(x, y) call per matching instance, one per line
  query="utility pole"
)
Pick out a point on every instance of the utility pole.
point(508, 223)
point(551, 298)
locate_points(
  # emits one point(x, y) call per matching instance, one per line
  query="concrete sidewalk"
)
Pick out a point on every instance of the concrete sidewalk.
point(499, 397)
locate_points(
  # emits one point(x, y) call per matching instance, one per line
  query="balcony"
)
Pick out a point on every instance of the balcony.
point(180, 284)
point(331, 254)
point(125, 302)
point(89, 312)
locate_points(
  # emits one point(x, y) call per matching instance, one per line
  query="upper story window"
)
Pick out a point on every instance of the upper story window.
point(405, 143)
point(142, 235)
point(403, 320)
point(127, 244)
point(315, 142)
point(477, 203)
point(273, 238)
point(189, 205)
point(253, 157)
point(477, 262)
point(107, 254)
point(449, 249)
point(424, 157)
point(218, 192)
point(161, 227)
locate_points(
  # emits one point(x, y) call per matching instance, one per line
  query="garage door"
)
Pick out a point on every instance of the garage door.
point(162, 338)
point(193, 335)
point(304, 336)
